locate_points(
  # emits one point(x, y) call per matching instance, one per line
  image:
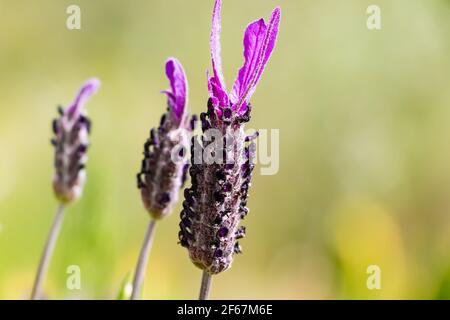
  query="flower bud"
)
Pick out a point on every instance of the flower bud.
point(71, 130)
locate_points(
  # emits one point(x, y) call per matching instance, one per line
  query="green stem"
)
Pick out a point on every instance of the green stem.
point(48, 252)
point(142, 262)
point(206, 286)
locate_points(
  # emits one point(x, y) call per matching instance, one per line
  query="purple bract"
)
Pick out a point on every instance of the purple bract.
point(217, 200)
point(259, 42)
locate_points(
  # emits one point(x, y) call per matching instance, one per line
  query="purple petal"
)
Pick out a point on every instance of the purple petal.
point(216, 92)
point(253, 42)
point(89, 88)
point(259, 42)
point(217, 82)
point(177, 95)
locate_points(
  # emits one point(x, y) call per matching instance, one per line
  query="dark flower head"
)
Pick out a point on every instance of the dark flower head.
point(217, 200)
point(161, 178)
point(71, 130)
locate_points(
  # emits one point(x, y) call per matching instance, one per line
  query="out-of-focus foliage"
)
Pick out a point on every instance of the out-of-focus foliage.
point(363, 115)
point(126, 288)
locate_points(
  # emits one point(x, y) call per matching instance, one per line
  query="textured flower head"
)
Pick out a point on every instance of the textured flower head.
point(217, 200)
point(71, 130)
point(161, 178)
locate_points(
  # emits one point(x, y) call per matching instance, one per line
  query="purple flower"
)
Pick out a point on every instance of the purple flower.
point(259, 42)
point(161, 177)
point(217, 200)
point(71, 130)
point(177, 95)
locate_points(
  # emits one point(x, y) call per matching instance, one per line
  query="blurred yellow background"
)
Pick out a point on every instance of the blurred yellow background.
point(363, 115)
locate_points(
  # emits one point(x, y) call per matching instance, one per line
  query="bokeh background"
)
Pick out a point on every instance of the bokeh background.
point(363, 115)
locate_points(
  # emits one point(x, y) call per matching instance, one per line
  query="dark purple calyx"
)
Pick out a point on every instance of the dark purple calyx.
point(161, 178)
point(70, 141)
point(71, 145)
point(217, 199)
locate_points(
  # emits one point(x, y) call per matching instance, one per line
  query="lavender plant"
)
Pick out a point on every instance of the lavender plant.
point(71, 130)
point(162, 175)
point(217, 200)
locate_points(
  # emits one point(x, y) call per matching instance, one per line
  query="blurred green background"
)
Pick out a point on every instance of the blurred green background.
point(363, 115)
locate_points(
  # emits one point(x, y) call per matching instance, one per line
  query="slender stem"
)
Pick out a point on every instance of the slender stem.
point(48, 251)
point(206, 286)
point(142, 262)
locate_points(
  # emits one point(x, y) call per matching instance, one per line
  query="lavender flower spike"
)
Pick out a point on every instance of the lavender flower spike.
point(217, 199)
point(160, 178)
point(71, 142)
point(162, 175)
point(71, 131)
